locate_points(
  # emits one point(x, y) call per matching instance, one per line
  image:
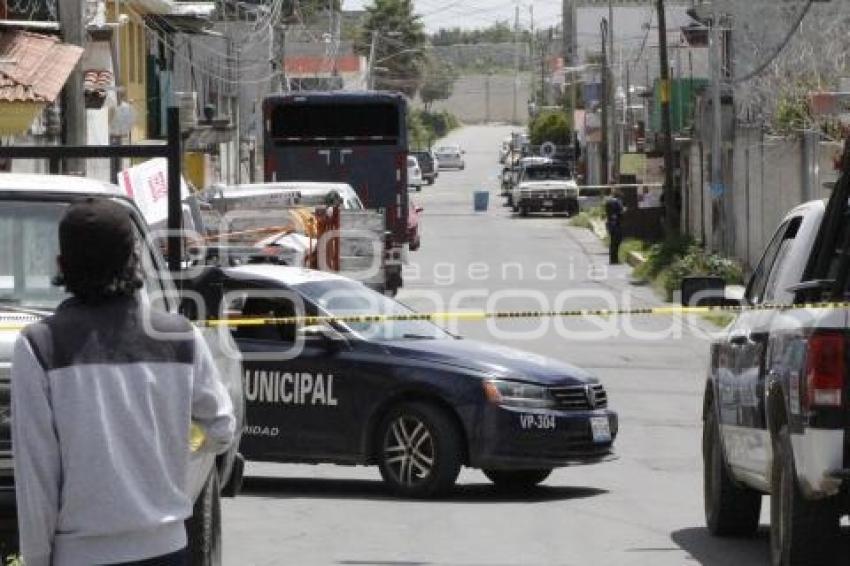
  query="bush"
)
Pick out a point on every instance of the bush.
point(426, 127)
point(581, 220)
point(551, 126)
point(671, 261)
point(661, 256)
point(630, 245)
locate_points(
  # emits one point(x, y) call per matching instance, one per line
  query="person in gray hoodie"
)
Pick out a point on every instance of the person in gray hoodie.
point(102, 408)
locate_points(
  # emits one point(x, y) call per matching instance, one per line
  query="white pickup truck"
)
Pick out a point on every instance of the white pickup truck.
point(30, 209)
point(544, 186)
point(777, 399)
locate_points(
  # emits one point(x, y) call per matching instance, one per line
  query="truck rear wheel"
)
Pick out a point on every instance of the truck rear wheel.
point(802, 532)
point(203, 528)
point(730, 510)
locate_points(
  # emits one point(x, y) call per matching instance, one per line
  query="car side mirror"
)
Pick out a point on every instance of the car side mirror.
point(419, 210)
point(328, 336)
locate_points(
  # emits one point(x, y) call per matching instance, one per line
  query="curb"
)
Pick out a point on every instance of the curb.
point(635, 259)
point(598, 228)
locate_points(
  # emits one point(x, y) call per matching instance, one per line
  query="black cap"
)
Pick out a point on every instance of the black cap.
point(96, 239)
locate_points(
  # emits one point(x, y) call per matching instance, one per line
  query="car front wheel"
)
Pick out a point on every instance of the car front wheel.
point(203, 528)
point(517, 480)
point(419, 450)
point(802, 531)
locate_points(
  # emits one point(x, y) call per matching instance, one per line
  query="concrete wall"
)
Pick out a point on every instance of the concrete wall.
point(471, 103)
point(769, 176)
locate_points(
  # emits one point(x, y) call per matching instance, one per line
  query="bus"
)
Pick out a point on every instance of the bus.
point(359, 138)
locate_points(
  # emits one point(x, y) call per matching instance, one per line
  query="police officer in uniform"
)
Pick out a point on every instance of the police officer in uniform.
point(614, 211)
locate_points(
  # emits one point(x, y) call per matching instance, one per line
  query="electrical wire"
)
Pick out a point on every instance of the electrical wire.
point(764, 64)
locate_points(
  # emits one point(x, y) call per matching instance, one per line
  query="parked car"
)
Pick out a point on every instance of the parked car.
point(405, 396)
point(413, 218)
point(775, 410)
point(428, 164)
point(505, 149)
point(450, 157)
point(546, 187)
point(33, 205)
point(512, 175)
point(414, 173)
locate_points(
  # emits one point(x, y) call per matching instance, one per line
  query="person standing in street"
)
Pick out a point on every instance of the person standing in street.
point(614, 211)
point(104, 393)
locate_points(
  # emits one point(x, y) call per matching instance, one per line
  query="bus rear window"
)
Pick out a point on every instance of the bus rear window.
point(301, 122)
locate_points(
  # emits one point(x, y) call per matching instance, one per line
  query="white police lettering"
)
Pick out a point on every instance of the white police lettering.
point(263, 386)
point(262, 431)
point(540, 422)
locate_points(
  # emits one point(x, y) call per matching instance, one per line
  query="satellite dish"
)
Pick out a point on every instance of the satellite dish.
point(548, 149)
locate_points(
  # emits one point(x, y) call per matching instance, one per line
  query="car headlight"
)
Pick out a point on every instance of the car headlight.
point(518, 394)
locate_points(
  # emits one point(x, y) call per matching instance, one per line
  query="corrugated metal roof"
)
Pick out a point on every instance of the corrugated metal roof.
point(34, 67)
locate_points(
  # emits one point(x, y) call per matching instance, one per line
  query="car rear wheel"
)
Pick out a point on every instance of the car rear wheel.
point(419, 450)
point(730, 510)
point(523, 211)
point(517, 480)
point(203, 528)
point(802, 531)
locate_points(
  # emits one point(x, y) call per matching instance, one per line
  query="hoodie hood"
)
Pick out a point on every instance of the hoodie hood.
point(492, 360)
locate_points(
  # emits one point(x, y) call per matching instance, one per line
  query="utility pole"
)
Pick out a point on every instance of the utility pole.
point(487, 99)
point(516, 65)
point(544, 52)
point(71, 21)
point(627, 121)
point(671, 194)
point(613, 145)
point(532, 68)
point(372, 51)
point(717, 186)
point(603, 146)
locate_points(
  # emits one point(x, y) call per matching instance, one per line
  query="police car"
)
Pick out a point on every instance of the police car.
point(403, 395)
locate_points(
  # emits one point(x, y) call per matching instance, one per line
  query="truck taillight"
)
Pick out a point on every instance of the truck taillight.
point(271, 168)
point(825, 369)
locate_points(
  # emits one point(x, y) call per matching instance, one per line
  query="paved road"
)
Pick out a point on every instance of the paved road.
point(645, 508)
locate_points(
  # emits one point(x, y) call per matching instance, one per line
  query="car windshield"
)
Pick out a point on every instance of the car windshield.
point(448, 150)
point(348, 298)
point(546, 173)
point(29, 245)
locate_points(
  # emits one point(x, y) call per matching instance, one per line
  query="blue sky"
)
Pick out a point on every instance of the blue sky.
point(478, 13)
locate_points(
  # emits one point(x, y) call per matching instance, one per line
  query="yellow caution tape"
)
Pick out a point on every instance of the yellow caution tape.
point(485, 315)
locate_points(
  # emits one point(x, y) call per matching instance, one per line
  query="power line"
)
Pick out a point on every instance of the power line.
point(764, 64)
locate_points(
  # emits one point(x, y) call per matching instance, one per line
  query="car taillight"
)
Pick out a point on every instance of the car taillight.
point(825, 369)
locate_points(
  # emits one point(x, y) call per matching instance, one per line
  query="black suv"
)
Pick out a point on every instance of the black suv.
point(426, 164)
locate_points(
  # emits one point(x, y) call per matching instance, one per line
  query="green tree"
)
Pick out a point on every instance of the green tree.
point(438, 82)
point(551, 126)
point(400, 44)
point(498, 32)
